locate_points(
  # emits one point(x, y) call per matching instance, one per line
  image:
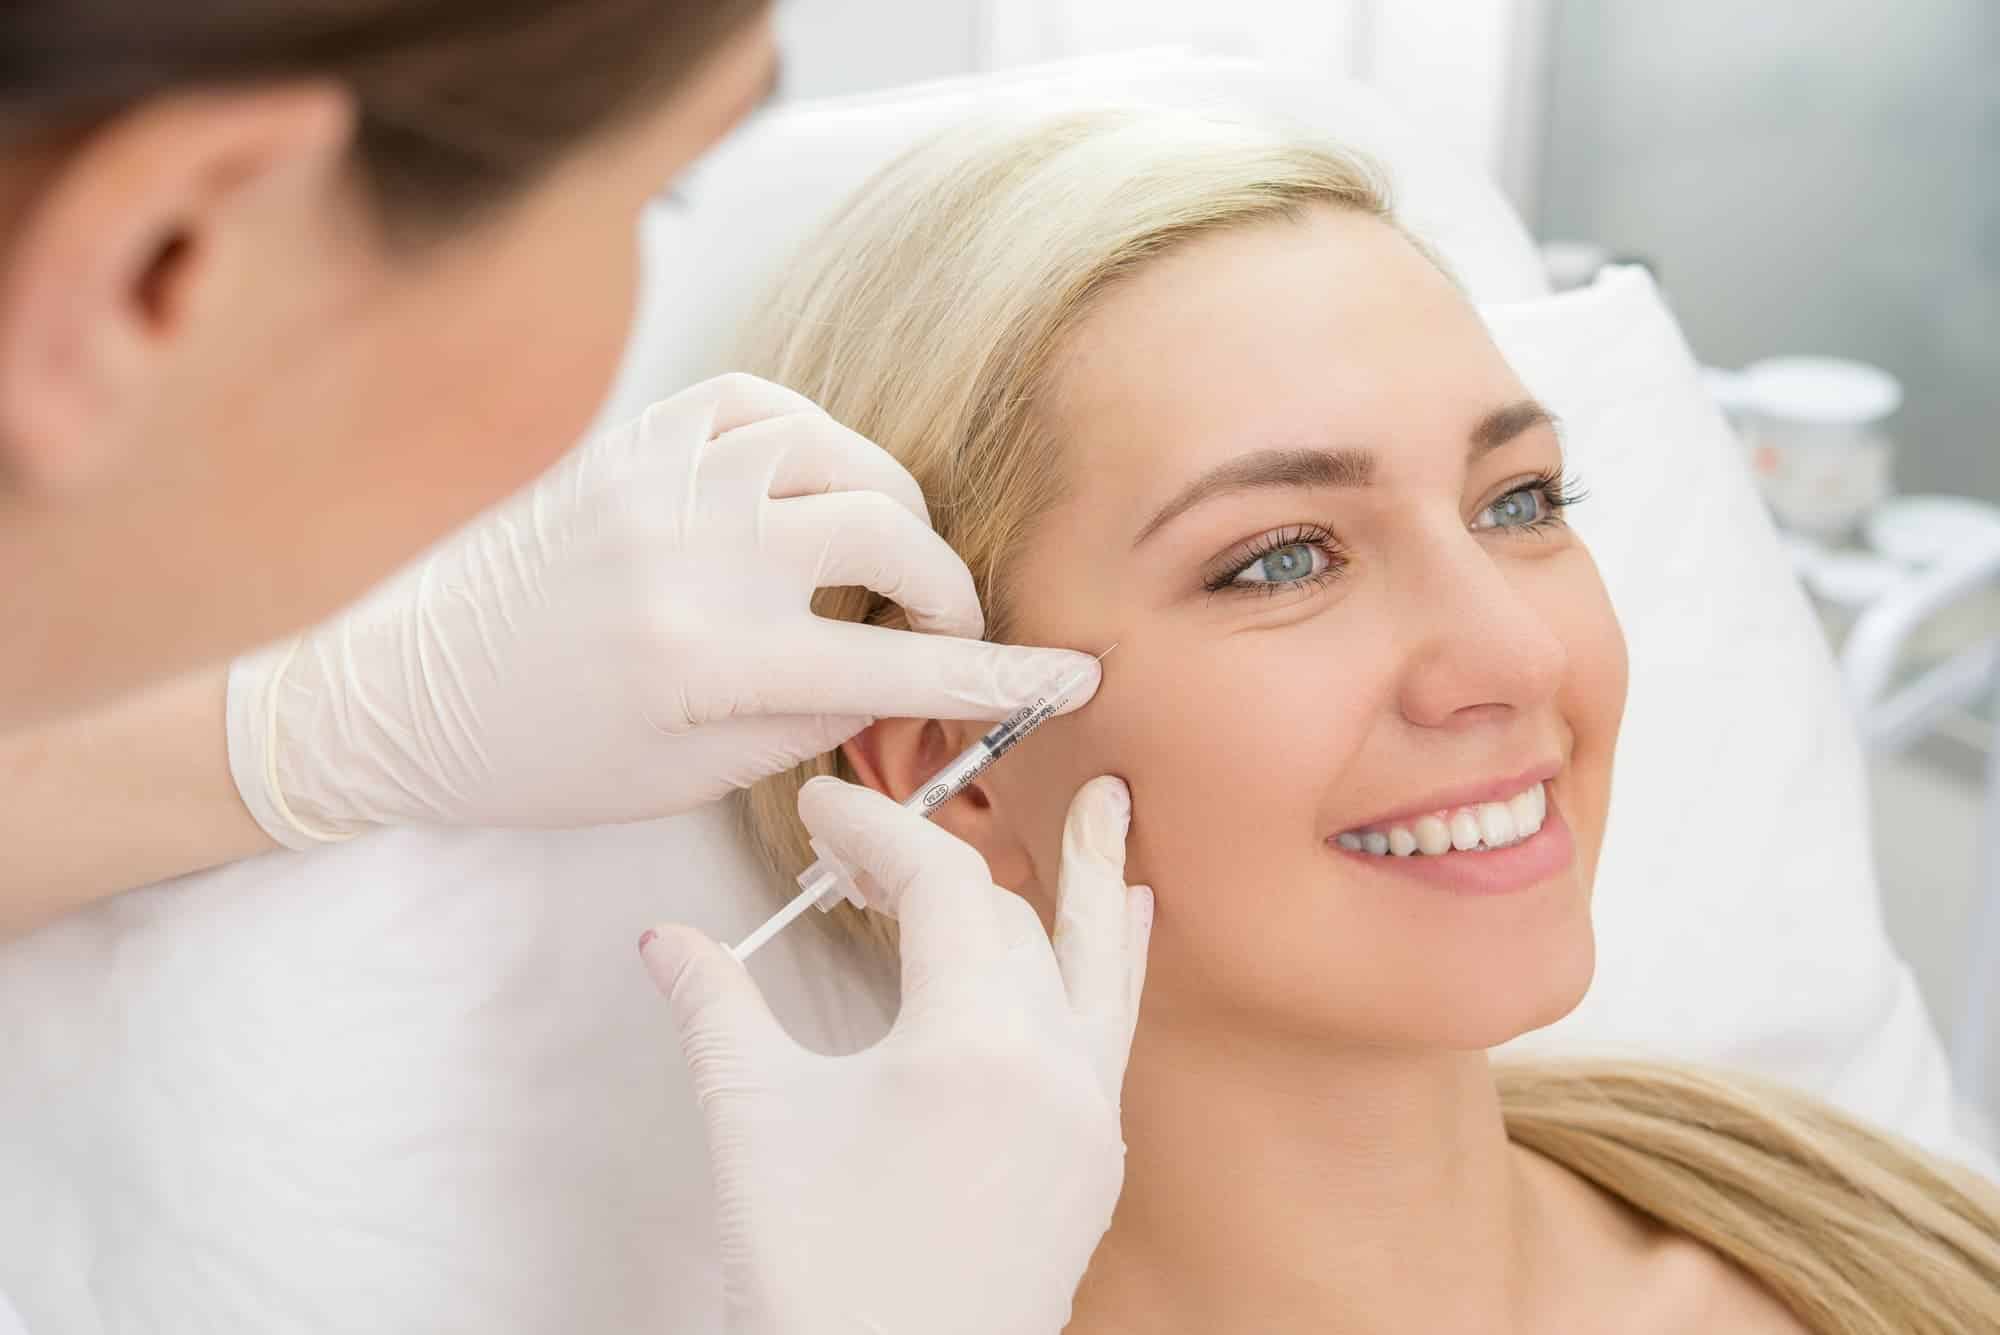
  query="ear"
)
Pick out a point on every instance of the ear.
point(108, 255)
point(895, 755)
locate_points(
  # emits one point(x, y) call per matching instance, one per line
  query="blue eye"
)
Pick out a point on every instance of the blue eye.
point(1539, 504)
point(1285, 565)
point(1517, 509)
point(1299, 557)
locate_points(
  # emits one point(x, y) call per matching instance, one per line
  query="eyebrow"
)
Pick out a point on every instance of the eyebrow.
point(1313, 467)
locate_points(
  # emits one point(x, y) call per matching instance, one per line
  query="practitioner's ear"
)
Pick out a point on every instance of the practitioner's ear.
point(894, 755)
point(114, 250)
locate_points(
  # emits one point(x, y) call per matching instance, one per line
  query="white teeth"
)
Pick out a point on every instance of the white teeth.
point(1464, 830)
point(1488, 825)
point(1522, 807)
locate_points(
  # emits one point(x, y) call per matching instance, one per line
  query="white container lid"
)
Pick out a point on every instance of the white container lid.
point(1827, 390)
point(1923, 530)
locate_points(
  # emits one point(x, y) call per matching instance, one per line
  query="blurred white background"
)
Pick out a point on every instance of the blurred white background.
point(1817, 177)
point(1469, 71)
point(1803, 175)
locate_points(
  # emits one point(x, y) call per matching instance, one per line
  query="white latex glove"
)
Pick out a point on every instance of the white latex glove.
point(630, 637)
point(958, 1175)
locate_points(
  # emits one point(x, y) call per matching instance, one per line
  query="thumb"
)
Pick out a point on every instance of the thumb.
point(720, 1018)
point(1101, 925)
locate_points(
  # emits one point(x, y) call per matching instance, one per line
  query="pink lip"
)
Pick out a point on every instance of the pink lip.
point(1516, 867)
point(1465, 795)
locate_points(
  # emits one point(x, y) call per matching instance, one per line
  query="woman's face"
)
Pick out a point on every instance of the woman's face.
point(1310, 503)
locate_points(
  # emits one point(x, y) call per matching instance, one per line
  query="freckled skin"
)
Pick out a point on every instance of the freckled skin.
point(1251, 728)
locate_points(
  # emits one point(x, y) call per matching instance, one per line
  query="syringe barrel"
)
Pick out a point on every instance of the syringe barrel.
point(1010, 729)
point(970, 763)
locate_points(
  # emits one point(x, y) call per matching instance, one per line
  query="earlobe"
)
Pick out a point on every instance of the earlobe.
point(109, 242)
point(895, 756)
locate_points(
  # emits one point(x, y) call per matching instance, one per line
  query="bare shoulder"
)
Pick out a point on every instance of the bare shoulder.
point(1693, 1288)
point(1631, 1273)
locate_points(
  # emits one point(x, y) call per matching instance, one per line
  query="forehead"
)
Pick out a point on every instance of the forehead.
point(1326, 330)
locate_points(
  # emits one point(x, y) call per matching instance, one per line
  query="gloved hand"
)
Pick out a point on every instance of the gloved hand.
point(958, 1175)
point(629, 637)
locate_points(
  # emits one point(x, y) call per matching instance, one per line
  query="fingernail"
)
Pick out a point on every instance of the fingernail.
point(1044, 673)
point(662, 959)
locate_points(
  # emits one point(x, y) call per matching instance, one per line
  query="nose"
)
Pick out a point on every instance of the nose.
point(1482, 648)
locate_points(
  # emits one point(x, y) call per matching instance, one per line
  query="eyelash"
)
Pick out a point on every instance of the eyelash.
point(1224, 581)
point(1558, 490)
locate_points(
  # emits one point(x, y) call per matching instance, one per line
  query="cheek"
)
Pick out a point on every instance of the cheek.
point(508, 364)
point(1592, 700)
point(563, 336)
point(1228, 747)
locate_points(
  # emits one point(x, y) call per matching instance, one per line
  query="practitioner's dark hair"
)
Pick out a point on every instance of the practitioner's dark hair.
point(460, 101)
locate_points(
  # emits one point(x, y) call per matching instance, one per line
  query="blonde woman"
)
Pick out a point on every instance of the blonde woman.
point(1184, 385)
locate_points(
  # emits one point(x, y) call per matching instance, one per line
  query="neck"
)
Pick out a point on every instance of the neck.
point(1353, 1190)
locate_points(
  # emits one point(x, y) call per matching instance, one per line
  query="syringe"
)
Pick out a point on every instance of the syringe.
point(827, 882)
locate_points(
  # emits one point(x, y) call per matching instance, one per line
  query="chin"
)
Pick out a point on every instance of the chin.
point(1522, 994)
point(1473, 997)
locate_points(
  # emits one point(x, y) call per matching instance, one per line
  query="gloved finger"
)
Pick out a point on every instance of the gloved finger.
point(934, 884)
point(737, 399)
point(1139, 943)
point(720, 1018)
point(671, 432)
point(810, 454)
point(676, 430)
point(1094, 933)
point(1019, 931)
point(749, 749)
point(737, 752)
point(1089, 935)
point(843, 667)
point(865, 538)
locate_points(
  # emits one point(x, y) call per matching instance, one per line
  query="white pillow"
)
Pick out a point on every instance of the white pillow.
point(1737, 914)
point(754, 202)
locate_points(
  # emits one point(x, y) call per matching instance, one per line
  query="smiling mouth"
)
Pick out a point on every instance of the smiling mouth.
point(1480, 827)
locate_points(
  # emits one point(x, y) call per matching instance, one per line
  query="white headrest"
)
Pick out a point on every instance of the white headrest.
point(754, 202)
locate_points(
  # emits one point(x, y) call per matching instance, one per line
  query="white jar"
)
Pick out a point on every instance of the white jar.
point(1816, 445)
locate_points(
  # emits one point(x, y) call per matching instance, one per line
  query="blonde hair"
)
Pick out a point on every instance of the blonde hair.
point(928, 315)
point(1856, 1231)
